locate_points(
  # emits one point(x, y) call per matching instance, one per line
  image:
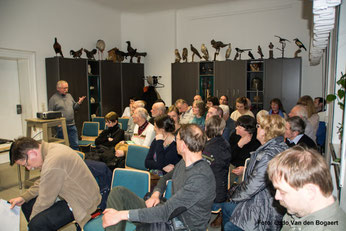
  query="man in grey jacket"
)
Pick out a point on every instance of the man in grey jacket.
point(63, 101)
point(193, 191)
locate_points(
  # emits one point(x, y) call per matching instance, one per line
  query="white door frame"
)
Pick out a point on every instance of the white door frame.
point(27, 81)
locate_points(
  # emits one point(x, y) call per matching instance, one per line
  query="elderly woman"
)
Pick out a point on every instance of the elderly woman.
point(143, 132)
point(163, 155)
point(242, 108)
point(242, 142)
point(217, 152)
point(276, 108)
point(173, 112)
point(252, 205)
point(198, 110)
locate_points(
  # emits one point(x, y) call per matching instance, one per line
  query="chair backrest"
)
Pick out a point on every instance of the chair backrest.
point(123, 122)
point(135, 157)
point(321, 133)
point(101, 121)
point(168, 192)
point(136, 181)
point(90, 129)
point(81, 154)
point(245, 166)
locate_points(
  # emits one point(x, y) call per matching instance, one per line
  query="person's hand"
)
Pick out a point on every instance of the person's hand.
point(119, 153)
point(113, 217)
point(168, 168)
point(244, 140)
point(16, 201)
point(153, 200)
point(81, 99)
point(238, 171)
point(110, 139)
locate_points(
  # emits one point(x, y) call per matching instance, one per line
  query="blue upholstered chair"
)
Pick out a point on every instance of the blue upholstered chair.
point(123, 122)
point(90, 131)
point(168, 192)
point(101, 121)
point(81, 154)
point(135, 157)
point(135, 180)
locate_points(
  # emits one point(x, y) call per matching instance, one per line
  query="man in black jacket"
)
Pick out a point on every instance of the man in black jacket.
point(294, 134)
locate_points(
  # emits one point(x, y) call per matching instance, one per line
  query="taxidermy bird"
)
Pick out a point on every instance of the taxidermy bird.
point(250, 55)
point(281, 40)
point(217, 45)
point(100, 45)
point(240, 51)
point(228, 51)
point(185, 54)
point(271, 52)
point(90, 54)
point(57, 48)
point(194, 52)
point(131, 52)
point(138, 55)
point(299, 43)
point(205, 52)
point(259, 51)
point(76, 54)
point(177, 56)
point(116, 55)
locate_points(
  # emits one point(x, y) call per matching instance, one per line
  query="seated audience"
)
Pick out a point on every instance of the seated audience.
point(173, 112)
point(252, 201)
point(301, 111)
point(294, 133)
point(313, 117)
point(242, 108)
point(223, 100)
point(66, 190)
point(212, 101)
point(260, 115)
point(276, 108)
point(198, 109)
point(230, 124)
point(130, 123)
point(127, 110)
point(157, 109)
point(242, 142)
point(193, 184)
point(197, 97)
point(319, 104)
point(163, 155)
point(186, 114)
point(304, 186)
point(143, 133)
point(217, 152)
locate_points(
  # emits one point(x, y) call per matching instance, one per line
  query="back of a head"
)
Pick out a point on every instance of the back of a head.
point(247, 122)
point(260, 115)
point(111, 116)
point(193, 137)
point(214, 126)
point(139, 103)
point(296, 124)
point(301, 111)
point(142, 112)
point(308, 102)
point(161, 107)
point(180, 101)
point(299, 166)
point(273, 125)
point(20, 147)
point(214, 100)
point(165, 122)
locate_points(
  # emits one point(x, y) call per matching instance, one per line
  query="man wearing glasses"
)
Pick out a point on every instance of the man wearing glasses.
point(66, 190)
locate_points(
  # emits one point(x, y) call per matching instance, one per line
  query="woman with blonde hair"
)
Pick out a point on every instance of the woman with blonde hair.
point(253, 199)
point(313, 117)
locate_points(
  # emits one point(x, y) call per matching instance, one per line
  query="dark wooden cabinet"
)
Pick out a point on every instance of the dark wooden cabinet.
point(283, 81)
point(107, 85)
point(185, 77)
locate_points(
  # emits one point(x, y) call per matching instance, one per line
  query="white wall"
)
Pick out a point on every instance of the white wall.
point(246, 24)
point(32, 26)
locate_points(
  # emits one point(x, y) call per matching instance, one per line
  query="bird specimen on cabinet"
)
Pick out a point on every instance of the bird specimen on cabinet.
point(228, 51)
point(217, 45)
point(259, 51)
point(250, 55)
point(205, 52)
point(57, 48)
point(185, 54)
point(76, 54)
point(177, 56)
point(271, 52)
point(131, 52)
point(138, 55)
point(240, 51)
point(194, 52)
point(90, 54)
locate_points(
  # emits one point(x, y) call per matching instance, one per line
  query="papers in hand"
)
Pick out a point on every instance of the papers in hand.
point(9, 218)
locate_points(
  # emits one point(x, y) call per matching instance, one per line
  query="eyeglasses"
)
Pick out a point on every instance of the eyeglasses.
point(26, 161)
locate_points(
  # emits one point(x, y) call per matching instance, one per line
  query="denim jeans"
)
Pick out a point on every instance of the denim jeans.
point(227, 211)
point(53, 218)
point(72, 136)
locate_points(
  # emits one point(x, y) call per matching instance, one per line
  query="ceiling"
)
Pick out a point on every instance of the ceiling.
point(146, 6)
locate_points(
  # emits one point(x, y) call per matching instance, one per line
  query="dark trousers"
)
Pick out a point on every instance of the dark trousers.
point(121, 198)
point(227, 210)
point(72, 135)
point(53, 218)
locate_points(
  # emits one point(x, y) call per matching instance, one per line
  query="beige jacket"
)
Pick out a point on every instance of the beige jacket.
point(64, 174)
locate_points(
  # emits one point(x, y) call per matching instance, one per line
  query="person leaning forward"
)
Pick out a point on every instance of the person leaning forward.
point(193, 184)
point(66, 190)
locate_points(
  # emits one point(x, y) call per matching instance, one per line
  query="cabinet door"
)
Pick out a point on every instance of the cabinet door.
point(273, 81)
point(111, 87)
point(222, 72)
point(238, 80)
point(184, 81)
point(291, 78)
point(132, 75)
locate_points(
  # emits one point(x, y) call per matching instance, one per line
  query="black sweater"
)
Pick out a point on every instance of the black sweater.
point(114, 132)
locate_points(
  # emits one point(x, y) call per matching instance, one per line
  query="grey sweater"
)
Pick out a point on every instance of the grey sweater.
point(65, 104)
point(193, 189)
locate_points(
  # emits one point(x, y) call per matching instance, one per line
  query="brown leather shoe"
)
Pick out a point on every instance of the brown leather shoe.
point(217, 222)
